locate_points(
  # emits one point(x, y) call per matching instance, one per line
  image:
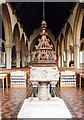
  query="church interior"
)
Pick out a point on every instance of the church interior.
point(41, 55)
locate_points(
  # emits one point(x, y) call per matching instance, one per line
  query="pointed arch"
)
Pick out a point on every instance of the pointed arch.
point(23, 49)
point(82, 45)
point(23, 43)
point(78, 23)
point(68, 36)
point(16, 37)
point(16, 42)
point(77, 33)
point(4, 12)
point(62, 40)
point(68, 44)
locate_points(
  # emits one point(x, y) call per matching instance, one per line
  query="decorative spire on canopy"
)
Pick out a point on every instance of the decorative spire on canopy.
point(44, 42)
point(44, 51)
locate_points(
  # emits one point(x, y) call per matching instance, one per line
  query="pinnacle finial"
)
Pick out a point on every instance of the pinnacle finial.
point(43, 24)
point(43, 9)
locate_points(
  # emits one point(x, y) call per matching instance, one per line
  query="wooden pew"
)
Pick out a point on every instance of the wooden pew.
point(68, 78)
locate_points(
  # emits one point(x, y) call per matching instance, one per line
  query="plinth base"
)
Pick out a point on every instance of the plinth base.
point(35, 108)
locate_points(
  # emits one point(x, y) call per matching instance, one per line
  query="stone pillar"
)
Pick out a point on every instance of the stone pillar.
point(59, 64)
point(49, 90)
point(43, 91)
point(23, 59)
point(17, 58)
point(76, 55)
point(29, 58)
point(72, 56)
point(64, 56)
point(61, 60)
point(26, 58)
point(35, 89)
point(67, 58)
point(53, 86)
point(8, 56)
point(3, 57)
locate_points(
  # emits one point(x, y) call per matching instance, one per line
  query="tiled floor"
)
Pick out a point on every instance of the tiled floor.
point(11, 101)
point(73, 97)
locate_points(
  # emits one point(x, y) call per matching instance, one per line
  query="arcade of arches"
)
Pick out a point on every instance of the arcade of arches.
point(16, 48)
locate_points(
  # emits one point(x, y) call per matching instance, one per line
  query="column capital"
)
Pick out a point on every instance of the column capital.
point(29, 52)
point(67, 50)
point(17, 51)
point(77, 45)
point(8, 46)
point(23, 53)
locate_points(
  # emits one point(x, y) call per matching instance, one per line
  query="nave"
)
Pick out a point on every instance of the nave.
point(24, 44)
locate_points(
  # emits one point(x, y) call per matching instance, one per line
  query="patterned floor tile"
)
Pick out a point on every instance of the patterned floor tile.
point(12, 99)
point(73, 98)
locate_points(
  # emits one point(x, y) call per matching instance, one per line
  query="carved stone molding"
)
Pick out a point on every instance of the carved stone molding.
point(77, 45)
point(44, 51)
point(8, 46)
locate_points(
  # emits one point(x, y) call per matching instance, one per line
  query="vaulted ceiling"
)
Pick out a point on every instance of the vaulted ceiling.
point(30, 15)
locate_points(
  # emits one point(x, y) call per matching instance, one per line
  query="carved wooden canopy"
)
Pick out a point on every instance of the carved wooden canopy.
point(44, 51)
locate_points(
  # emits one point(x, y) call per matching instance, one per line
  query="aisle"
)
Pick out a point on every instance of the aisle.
point(12, 100)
